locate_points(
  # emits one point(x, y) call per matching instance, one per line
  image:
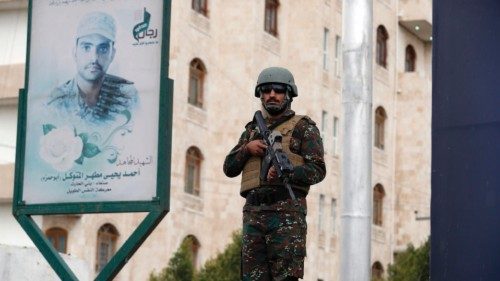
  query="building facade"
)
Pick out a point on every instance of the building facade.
point(217, 49)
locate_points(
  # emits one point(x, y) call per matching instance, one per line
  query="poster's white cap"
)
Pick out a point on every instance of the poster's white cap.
point(97, 23)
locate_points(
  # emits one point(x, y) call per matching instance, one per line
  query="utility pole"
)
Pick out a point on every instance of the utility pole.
point(357, 26)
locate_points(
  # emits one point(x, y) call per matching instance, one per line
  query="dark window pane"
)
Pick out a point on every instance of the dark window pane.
point(193, 90)
point(190, 179)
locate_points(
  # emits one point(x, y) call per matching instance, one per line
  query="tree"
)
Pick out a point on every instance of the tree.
point(412, 264)
point(226, 265)
point(180, 267)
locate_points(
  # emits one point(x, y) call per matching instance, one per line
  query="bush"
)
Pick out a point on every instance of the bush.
point(412, 264)
point(226, 266)
point(180, 266)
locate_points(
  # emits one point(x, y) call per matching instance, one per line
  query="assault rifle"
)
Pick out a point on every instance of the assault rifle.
point(274, 154)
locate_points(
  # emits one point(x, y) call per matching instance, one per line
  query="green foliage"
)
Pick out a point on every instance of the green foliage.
point(226, 266)
point(412, 264)
point(180, 266)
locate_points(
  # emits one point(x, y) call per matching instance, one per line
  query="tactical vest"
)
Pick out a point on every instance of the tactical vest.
point(250, 177)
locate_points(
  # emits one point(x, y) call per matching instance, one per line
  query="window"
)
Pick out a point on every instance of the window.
point(335, 136)
point(381, 48)
point(334, 215)
point(200, 6)
point(378, 199)
point(324, 116)
point(193, 245)
point(380, 117)
point(197, 72)
point(326, 34)
point(193, 168)
point(321, 212)
point(377, 271)
point(58, 237)
point(338, 55)
point(271, 17)
point(107, 236)
point(410, 57)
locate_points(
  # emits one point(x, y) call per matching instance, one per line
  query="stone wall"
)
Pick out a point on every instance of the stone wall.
point(27, 264)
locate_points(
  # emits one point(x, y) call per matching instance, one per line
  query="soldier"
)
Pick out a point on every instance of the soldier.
point(274, 227)
point(93, 95)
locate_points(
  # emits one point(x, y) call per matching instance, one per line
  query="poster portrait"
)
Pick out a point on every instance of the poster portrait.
point(93, 101)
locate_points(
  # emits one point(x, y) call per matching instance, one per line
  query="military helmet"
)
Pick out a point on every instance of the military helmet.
point(276, 75)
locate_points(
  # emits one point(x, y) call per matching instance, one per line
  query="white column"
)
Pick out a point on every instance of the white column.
point(357, 26)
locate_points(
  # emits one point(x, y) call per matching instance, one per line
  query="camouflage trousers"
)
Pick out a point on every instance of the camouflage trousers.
point(274, 241)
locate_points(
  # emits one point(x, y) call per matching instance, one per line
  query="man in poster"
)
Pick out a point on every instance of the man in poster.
point(93, 95)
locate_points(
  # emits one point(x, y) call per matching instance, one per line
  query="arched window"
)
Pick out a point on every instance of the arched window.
point(381, 49)
point(58, 237)
point(378, 206)
point(107, 236)
point(380, 117)
point(377, 271)
point(410, 58)
point(197, 72)
point(200, 6)
point(193, 245)
point(193, 170)
point(271, 17)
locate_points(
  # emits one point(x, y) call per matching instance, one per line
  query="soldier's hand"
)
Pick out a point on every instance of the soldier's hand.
point(272, 175)
point(256, 147)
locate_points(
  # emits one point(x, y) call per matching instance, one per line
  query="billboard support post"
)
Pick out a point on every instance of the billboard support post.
point(131, 245)
point(48, 251)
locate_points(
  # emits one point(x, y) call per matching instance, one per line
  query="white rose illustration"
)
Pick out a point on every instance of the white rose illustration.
point(60, 148)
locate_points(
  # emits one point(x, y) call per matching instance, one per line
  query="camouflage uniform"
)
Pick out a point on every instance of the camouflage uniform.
point(116, 95)
point(274, 227)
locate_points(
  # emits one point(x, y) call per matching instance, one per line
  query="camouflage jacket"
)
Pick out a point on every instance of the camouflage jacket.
point(116, 95)
point(305, 141)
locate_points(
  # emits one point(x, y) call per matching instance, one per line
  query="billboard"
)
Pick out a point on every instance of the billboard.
point(93, 90)
point(95, 118)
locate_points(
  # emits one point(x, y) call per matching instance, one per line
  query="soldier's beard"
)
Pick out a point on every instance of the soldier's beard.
point(274, 109)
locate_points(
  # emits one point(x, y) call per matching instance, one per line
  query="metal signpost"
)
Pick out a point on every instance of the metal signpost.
point(357, 22)
point(78, 155)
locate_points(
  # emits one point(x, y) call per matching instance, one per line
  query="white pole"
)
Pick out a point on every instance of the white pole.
point(356, 211)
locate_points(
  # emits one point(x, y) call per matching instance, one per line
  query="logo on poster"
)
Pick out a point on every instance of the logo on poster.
point(143, 34)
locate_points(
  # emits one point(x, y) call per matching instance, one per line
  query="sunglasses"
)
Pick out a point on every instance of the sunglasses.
point(278, 88)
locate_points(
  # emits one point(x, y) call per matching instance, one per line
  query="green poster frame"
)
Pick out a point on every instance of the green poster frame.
point(156, 208)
